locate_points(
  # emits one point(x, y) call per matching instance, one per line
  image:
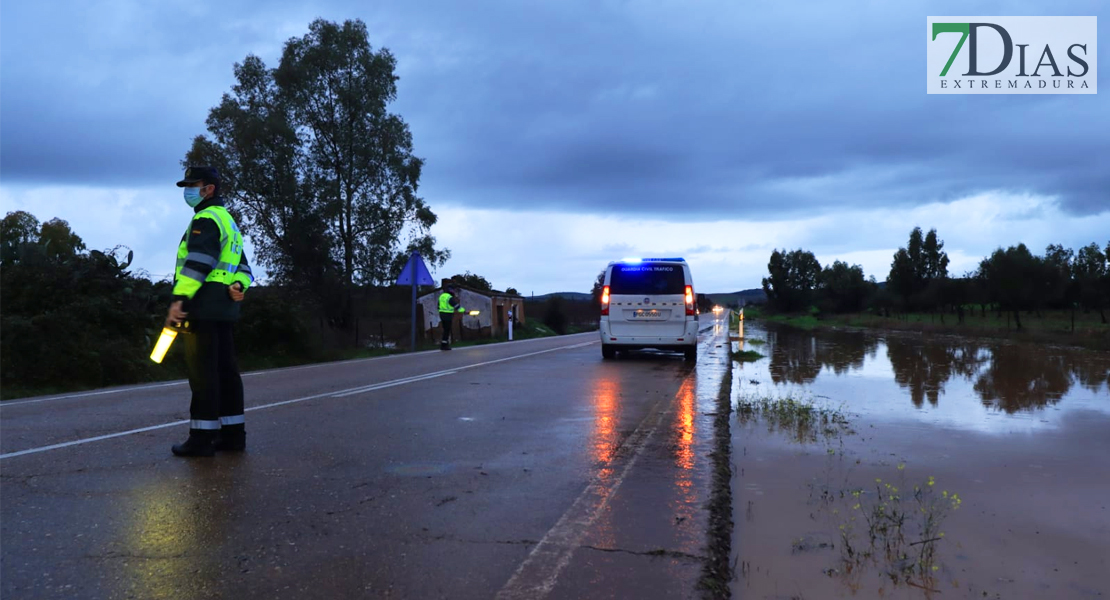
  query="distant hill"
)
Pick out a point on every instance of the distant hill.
point(753, 296)
point(564, 295)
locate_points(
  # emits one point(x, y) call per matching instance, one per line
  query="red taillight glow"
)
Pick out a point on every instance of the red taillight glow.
point(689, 300)
point(605, 301)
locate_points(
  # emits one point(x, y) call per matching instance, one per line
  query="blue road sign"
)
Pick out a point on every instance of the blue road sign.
point(415, 266)
point(415, 273)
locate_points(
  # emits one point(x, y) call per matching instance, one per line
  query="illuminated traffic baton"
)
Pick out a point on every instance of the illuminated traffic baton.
point(474, 313)
point(164, 342)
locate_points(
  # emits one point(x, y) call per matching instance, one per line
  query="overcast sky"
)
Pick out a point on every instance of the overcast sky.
point(561, 135)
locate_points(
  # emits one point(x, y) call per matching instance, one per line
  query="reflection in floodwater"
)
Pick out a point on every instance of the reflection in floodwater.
point(799, 356)
point(924, 368)
point(1007, 376)
point(1018, 379)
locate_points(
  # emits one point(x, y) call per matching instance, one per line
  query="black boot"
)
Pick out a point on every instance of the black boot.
point(444, 346)
point(200, 443)
point(232, 438)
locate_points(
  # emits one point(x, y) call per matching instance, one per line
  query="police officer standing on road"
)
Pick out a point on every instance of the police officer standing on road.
point(449, 304)
point(210, 280)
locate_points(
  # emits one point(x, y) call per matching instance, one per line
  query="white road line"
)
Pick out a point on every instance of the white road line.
point(333, 394)
point(537, 575)
point(92, 439)
point(433, 375)
point(379, 386)
point(251, 374)
point(82, 395)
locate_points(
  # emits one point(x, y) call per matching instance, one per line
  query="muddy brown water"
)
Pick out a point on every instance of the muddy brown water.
point(1019, 433)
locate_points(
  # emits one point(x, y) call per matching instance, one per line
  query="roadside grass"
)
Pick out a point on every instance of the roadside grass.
point(530, 330)
point(802, 420)
point(807, 320)
point(746, 355)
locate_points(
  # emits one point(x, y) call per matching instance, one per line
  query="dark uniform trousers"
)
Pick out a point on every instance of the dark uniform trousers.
point(447, 321)
point(213, 375)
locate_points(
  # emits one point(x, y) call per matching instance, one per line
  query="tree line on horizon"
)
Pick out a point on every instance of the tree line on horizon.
point(1010, 281)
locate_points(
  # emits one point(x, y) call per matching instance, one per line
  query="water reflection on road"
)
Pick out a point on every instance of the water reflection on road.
point(1004, 376)
point(604, 439)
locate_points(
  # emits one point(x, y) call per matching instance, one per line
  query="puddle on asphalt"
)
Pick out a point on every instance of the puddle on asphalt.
point(901, 466)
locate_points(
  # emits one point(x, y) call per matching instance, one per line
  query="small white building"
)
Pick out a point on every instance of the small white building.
point(492, 319)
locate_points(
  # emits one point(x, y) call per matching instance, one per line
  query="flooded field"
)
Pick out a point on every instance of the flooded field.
point(882, 465)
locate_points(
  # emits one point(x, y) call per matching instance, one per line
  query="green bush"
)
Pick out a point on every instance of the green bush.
point(555, 316)
point(75, 320)
point(274, 329)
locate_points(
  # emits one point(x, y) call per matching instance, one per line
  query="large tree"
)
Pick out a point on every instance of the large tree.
point(1056, 281)
point(1010, 277)
point(322, 175)
point(793, 276)
point(935, 259)
point(1091, 274)
point(473, 281)
point(16, 230)
point(843, 287)
point(920, 266)
point(599, 285)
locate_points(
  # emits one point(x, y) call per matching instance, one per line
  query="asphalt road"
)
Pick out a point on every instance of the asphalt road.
point(532, 469)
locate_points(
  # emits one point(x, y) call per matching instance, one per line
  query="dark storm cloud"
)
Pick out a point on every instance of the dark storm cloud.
point(686, 111)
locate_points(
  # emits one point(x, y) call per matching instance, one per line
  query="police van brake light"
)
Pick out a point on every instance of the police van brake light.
point(689, 300)
point(605, 301)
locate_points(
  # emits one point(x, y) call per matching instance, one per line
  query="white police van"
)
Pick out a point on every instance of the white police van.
point(648, 303)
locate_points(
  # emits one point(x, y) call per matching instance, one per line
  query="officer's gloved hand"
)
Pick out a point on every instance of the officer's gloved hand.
point(176, 314)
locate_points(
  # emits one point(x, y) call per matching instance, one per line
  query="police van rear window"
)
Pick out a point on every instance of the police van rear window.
point(647, 279)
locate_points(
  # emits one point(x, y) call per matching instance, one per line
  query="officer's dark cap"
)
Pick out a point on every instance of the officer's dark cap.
point(206, 175)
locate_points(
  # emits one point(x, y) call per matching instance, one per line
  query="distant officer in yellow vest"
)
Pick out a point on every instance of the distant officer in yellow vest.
point(210, 280)
point(449, 304)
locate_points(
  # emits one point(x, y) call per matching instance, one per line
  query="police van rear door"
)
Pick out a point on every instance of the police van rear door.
point(647, 299)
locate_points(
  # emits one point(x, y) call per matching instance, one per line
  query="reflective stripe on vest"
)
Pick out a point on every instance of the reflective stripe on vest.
point(231, 249)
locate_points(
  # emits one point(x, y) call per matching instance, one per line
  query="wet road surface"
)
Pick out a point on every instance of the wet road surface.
point(1020, 432)
point(524, 470)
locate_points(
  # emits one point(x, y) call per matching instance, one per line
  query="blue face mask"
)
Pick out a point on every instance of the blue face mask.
point(192, 196)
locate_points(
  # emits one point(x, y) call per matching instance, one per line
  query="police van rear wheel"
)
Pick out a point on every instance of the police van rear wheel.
point(692, 354)
point(608, 351)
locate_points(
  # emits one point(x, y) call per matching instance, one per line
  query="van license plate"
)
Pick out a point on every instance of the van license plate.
point(647, 314)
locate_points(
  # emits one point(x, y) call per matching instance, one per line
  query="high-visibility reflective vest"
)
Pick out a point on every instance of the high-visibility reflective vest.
point(445, 304)
point(224, 267)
